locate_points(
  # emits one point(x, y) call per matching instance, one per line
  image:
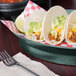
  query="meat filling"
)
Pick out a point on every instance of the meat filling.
point(37, 34)
point(73, 37)
point(51, 37)
point(38, 37)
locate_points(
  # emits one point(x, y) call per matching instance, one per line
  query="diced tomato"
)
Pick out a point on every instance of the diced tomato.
point(20, 0)
point(4, 1)
point(10, 1)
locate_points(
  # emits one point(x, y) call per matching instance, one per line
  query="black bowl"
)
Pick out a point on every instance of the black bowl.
point(8, 10)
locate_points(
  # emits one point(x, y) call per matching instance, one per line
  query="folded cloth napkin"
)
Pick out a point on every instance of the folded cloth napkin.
point(35, 66)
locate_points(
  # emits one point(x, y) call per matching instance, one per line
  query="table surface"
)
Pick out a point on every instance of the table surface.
point(10, 43)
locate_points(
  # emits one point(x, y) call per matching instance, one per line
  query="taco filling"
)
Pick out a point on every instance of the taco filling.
point(56, 28)
point(72, 32)
point(35, 30)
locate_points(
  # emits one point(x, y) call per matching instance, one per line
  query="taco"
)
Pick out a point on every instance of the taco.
point(33, 25)
point(71, 29)
point(54, 25)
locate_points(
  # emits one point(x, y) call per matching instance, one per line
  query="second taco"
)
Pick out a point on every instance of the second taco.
point(54, 25)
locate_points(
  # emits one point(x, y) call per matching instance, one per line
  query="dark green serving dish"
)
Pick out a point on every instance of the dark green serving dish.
point(55, 54)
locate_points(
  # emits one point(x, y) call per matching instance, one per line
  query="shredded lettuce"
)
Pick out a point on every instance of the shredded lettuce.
point(34, 26)
point(57, 23)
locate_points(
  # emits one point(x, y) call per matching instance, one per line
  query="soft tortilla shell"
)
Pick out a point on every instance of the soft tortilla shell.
point(49, 18)
point(37, 16)
point(72, 17)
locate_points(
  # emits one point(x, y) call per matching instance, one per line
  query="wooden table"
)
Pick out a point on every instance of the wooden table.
point(9, 42)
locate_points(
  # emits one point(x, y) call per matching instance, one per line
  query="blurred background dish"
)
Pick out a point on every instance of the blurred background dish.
point(12, 8)
point(8, 10)
point(10, 1)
